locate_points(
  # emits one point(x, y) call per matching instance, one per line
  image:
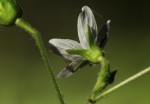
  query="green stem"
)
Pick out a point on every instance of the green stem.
point(36, 35)
point(101, 79)
point(132, 78)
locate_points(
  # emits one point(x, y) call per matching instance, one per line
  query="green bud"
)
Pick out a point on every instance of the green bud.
point(9, 12)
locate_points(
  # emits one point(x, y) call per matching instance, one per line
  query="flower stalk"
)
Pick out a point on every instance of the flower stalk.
point(36, 35)
point(101, 79)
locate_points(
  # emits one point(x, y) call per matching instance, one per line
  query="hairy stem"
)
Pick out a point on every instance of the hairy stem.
point(101, 79)
point(36, 35)
point(132, 78)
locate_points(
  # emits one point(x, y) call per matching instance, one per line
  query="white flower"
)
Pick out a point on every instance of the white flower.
point(89, 48)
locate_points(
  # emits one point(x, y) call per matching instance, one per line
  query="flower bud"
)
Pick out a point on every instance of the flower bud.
point(9, 12)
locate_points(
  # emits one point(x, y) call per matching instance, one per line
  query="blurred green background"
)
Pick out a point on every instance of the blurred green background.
point(24, 78)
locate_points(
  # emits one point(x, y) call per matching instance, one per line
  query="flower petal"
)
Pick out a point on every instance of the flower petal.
point(68, 71)
point(86, 18)
point(72, 68)
point(103, 35)
point(59, 46)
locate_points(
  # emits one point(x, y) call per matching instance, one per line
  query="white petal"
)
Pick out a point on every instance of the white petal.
point(85, 18)
point(59, 46)
point(68, 70)
point(72, 68)
point(103, 35)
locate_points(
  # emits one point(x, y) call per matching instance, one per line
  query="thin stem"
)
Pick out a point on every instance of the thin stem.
point(36, 35)
point(132, 78)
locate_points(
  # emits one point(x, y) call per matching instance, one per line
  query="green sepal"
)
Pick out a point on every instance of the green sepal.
point(9, 12)
point(81, 52)
point(91, 55)
point(90, 38)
